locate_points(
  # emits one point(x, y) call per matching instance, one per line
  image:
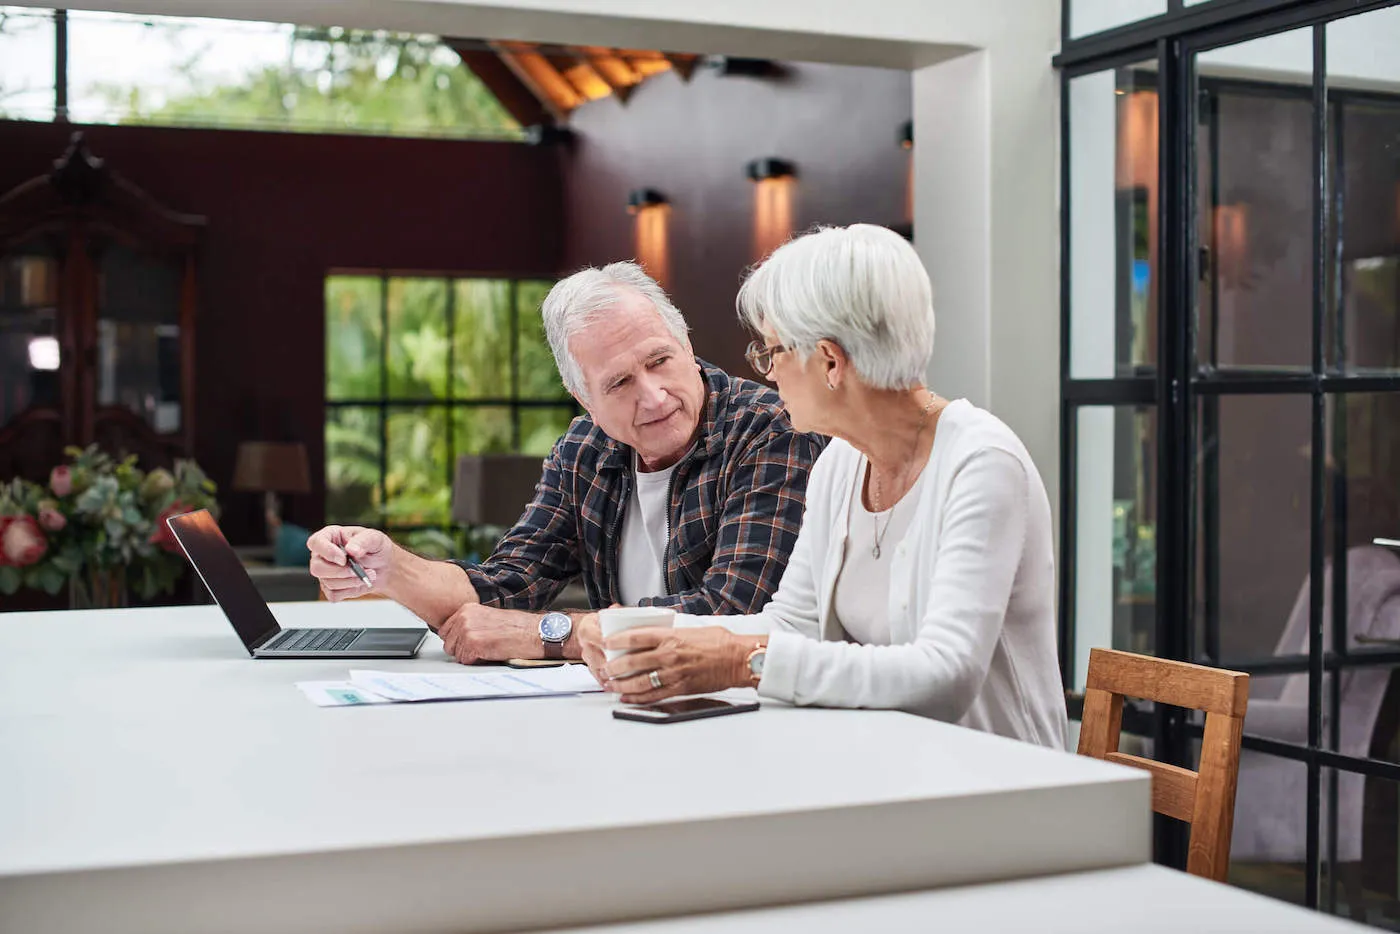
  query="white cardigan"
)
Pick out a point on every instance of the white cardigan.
point(972, 591)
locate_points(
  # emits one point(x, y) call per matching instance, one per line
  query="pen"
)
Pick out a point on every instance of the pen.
point(359, 571)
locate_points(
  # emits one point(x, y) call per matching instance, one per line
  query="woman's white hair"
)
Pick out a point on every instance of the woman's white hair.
point(585, 297)
point(861, 286)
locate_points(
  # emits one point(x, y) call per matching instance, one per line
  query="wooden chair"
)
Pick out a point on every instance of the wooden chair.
point(1204, 799)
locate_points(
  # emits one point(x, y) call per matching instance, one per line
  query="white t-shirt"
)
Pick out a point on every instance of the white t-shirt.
point(642, 553)
point(862, 597)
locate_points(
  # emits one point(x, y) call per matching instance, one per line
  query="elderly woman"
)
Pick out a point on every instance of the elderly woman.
point(923, 578)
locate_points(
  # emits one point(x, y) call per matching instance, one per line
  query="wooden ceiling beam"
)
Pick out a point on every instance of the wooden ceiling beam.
point(536, 72)
point(519, 100)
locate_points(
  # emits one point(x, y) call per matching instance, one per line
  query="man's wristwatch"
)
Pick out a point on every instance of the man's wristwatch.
point(555, 629)
point(755, 663)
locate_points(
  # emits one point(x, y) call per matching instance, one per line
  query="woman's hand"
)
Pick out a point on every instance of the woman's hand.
point(681, 661)
point(589, 638)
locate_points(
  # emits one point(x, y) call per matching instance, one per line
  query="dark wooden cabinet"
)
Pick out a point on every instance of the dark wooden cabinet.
point(98, 287)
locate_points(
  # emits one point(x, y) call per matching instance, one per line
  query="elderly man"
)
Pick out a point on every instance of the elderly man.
point(682, 486)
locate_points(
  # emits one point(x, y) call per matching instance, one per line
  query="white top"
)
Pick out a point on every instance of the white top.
point(155, 777)
point(641, 554)
point(971, 597)
point(860, 601)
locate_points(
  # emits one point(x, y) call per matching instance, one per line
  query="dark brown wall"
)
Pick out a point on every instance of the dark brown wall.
point(691, 141)
point(283, 209)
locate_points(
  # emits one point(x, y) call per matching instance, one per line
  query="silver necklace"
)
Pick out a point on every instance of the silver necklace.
point(875, 482)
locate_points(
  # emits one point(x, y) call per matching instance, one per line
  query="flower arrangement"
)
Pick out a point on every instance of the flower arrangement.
point(99, 527)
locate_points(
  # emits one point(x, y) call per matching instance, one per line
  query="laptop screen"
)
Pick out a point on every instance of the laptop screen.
point(228, 581)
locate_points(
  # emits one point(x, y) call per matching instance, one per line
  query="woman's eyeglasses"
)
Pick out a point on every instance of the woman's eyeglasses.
point(760, 356)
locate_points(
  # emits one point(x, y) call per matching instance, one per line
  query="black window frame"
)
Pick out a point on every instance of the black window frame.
point(1173, 39)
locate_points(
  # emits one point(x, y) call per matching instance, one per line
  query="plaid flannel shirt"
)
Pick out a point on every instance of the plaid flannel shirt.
point(736, 506)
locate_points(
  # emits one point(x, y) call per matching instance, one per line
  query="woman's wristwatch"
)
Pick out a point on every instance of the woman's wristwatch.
point(755, 664)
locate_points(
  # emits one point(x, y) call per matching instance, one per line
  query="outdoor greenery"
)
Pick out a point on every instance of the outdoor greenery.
point(332, 79)
point(419, 370)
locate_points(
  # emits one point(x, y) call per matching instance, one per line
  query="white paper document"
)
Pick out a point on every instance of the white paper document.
point(479, 685)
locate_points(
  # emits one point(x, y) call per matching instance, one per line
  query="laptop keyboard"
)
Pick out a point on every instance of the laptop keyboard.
point(313, 640)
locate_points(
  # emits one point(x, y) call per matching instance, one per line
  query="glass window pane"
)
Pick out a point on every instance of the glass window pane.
point(417, 339)
point(1091, 16)
point(481, 339)
point(482, 430)
point(205, 72)
point(138, 338)
point(26, 64)
point(538, 375)
point(1363, 333)
point(541, 428)
point(1115, 533)
point(354, 331)
point(1254, 209)
point(1113, 223)
point(30, 355)
point(1269, 846)
point(416, 485)
point(352, 465)
point(1363, 590)
point(1252, 501)
point(1359, 878)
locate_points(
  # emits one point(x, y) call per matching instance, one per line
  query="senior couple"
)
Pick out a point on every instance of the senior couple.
point(906, 564)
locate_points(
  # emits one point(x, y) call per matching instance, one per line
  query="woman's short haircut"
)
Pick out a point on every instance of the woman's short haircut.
point(585, 297)
point(862, 287)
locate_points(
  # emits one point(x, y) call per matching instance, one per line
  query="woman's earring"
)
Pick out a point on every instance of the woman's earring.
point(830, 386)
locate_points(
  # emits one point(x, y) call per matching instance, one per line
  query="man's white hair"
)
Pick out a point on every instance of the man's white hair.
point(861, 286)
point(585, 298)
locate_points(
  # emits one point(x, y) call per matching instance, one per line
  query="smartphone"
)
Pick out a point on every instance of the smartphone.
point(690, 708)
point(537, 662)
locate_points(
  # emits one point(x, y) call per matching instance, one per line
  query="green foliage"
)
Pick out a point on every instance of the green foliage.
point(430, 359)
point(98, 518)
point(333, 80)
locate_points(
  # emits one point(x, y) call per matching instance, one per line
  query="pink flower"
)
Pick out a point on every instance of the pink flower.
point(162, 536)
point(51, 520)
point(21, 542)
point(61, 481)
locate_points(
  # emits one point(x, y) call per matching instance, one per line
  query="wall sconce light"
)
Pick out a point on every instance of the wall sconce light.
point(732, 65)
point(652, 212)
point(1232, 243)
point(640, 198)
point(906, 142)
point(774, 182)
point(770, 167)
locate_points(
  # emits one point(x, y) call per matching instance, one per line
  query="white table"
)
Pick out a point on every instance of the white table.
point(1144, 899)
point(157, 779)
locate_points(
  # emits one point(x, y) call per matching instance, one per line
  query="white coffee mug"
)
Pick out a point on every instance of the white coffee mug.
point(622, 618)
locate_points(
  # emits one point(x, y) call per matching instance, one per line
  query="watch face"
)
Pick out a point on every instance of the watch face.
point(756, 663)
point(555, 627)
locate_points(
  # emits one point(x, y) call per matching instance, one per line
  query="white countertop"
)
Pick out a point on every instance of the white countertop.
point(158, 776)
point(1144, 899)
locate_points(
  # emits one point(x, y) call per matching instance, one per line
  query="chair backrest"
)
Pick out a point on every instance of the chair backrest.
point(1204, 799)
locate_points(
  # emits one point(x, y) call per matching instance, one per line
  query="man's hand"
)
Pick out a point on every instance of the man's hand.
point(684, 661)
point(484, 633)
point(329, 548)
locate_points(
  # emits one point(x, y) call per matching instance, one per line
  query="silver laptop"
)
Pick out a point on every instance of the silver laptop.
point(233, 590)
